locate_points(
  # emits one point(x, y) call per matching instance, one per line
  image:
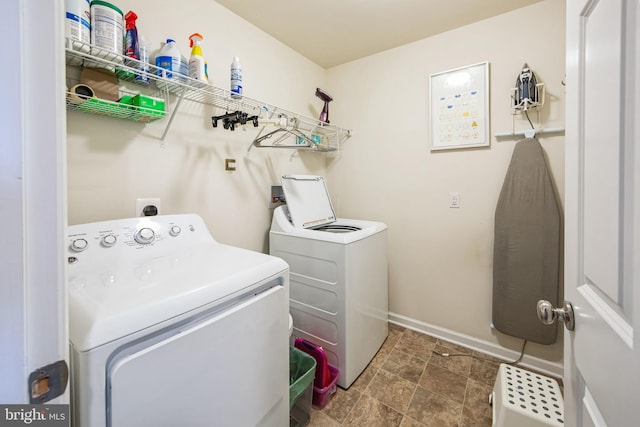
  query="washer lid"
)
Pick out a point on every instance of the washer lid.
point(308, 200)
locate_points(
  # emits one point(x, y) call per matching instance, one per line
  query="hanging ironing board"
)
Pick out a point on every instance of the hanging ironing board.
point(526, 255)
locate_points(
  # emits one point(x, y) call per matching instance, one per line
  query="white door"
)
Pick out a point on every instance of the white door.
point(602, 224)
point(33, 321)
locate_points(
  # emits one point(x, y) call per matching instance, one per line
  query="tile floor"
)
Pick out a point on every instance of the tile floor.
point(407, 385)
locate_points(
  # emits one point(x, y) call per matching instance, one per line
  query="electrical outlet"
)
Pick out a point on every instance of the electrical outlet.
point(277, 196)
point(454, 200)
point(141, 204)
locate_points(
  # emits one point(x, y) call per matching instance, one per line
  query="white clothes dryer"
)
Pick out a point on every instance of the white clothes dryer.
point(338, 275)
point(170, 328)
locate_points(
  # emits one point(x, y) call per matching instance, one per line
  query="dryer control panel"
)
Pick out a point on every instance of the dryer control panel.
point(125, 237)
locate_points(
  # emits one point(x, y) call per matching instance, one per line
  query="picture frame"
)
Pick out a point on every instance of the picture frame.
point(459, 107)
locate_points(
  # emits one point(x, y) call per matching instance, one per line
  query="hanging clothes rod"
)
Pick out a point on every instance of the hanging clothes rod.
point(530, 133)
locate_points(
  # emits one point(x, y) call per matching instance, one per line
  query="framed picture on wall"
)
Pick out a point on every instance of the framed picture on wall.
point(460, 107)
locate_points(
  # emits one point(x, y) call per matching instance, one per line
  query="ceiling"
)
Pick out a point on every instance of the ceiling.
point(332, 32)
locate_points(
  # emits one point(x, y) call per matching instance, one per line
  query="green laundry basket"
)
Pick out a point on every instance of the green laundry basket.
point(302, 372)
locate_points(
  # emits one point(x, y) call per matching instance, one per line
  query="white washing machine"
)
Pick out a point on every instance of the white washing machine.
point(338, 275)
point(170, 328)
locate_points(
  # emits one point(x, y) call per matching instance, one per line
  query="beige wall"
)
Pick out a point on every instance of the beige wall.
point(440, 259)
point(112, 162)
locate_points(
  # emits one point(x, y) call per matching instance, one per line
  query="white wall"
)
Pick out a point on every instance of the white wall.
point(440, 259)
point(112, 162)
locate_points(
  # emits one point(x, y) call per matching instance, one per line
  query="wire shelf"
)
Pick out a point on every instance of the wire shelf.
point(117, 110)
point(80, 54)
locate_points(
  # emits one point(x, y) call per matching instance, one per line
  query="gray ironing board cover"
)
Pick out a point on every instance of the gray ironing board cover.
point(526, 254)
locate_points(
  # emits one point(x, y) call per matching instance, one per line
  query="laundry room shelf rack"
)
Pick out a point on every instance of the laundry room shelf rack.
point(322, 136)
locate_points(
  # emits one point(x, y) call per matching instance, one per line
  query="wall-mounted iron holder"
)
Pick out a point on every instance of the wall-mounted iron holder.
point(519, 105)
point(525, 106)
point(534, 102)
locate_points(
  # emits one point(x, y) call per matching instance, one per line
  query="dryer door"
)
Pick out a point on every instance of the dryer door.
point(308, 200)
point(229, 369)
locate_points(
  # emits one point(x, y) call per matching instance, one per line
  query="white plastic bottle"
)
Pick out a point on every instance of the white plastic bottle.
point(107, 33)
point(144, 59)
point(236, 78)
point(197, 64)
point(171, 60)
point(78, 23)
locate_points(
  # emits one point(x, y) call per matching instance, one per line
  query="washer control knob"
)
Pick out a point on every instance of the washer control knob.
point(175, 230)
point(144, 236)
point(109, 240)
point(79, 245)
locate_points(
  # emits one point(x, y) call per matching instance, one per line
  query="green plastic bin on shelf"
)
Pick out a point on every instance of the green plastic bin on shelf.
point(302, 372)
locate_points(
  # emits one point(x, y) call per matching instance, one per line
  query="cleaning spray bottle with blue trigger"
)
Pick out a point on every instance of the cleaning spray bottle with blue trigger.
point(197, 64)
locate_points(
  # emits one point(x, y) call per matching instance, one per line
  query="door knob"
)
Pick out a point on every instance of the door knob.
point(548, 314)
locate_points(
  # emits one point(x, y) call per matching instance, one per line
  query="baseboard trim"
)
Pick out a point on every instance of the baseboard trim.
point(553, 369)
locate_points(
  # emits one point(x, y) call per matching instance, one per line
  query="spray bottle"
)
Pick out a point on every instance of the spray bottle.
point(131, 36)
point(197, 64)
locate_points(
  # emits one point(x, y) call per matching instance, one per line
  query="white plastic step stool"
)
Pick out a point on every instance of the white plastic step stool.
point(524, 399)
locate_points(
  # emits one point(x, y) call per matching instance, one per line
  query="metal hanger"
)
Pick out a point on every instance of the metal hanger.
point(287, 133)
point(289, 129)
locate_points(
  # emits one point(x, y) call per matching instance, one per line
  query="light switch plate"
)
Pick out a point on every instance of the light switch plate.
point(454, 200)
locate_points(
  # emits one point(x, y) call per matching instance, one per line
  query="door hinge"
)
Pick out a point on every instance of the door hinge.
point(48, 382)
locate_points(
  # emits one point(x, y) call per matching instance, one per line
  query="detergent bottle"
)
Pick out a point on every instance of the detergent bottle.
point(171, 61)
point(197, 64)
